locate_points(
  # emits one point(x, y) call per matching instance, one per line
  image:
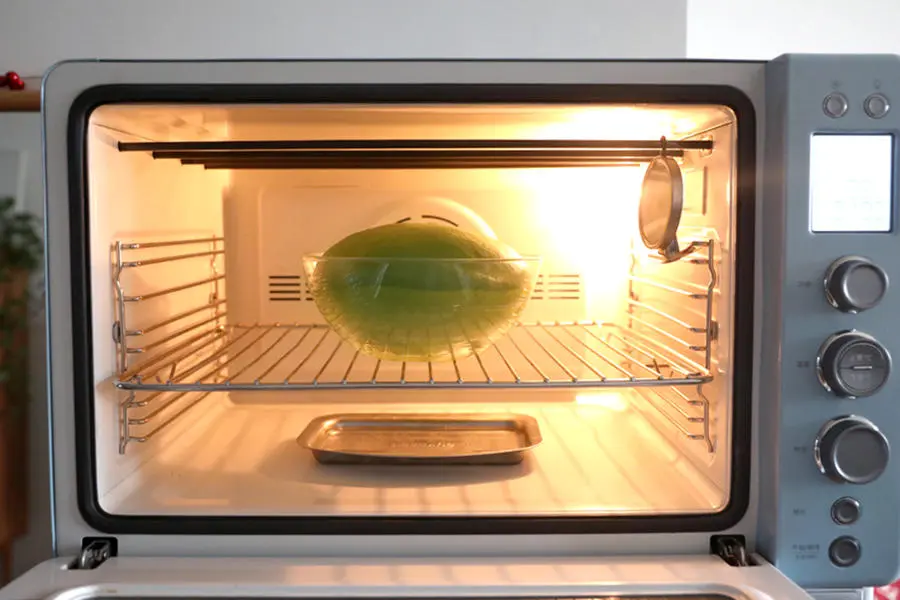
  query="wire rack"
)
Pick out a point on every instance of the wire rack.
point(170, 363)
point(294, 357)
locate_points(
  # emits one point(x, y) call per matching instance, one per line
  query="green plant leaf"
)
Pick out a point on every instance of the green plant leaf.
point(21, 250)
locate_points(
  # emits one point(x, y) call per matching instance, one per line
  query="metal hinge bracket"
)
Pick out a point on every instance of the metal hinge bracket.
point(732, 549)
point(95, 552)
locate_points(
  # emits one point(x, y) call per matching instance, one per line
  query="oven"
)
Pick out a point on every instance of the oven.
point(520, 329)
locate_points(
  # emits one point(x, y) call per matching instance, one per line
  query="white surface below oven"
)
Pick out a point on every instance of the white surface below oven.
point(482, 577)
point(599, 455)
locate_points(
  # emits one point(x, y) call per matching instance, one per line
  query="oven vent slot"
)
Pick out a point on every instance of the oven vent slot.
point(412, 154)
point(288, 288)
point(553, 286)
point(557, 286)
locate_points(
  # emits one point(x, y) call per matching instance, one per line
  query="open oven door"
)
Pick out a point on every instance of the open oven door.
point(685, 577)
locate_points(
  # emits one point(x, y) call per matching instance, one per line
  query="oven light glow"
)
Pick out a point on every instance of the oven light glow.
point(616, 122)
point(610, 401)
point(589, 217)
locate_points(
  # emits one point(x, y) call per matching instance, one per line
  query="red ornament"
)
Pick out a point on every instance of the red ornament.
point(888, 592)
point(12, 81)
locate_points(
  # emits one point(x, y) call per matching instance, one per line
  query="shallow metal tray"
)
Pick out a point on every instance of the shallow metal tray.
point(421, 439)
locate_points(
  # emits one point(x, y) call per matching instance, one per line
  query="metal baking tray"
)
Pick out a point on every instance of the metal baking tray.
point(421, 439)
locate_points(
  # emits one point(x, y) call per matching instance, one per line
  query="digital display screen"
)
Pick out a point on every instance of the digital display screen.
point(851, 183)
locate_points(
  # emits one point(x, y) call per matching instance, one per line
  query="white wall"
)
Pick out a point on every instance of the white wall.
point(36, 33)
point(763, 29)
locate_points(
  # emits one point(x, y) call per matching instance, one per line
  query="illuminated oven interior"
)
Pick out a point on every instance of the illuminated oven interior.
point(219, 358)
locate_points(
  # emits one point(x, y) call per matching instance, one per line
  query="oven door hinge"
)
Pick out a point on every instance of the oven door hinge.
point(95, 552)
point(732, 549)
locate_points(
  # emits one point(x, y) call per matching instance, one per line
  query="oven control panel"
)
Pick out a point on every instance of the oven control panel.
point(831, 321)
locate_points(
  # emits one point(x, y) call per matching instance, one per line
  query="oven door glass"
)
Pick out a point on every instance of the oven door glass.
point(662, 577)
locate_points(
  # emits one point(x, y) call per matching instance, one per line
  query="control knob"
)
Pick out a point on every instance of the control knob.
point(851, 449)
point(854, 284)
point(853, 364)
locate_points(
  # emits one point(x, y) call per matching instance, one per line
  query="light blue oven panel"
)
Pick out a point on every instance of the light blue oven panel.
point(829, 403)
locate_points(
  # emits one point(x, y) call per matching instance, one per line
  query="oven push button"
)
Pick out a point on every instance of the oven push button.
point(877, 106)
point(845, 511)
point(835, 105)
point(844, 551)
point(851, 449)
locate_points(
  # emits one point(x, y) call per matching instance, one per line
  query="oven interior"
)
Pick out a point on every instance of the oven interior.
point(211, 355)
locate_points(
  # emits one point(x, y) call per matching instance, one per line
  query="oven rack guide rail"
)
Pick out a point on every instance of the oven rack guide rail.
point(413, 154)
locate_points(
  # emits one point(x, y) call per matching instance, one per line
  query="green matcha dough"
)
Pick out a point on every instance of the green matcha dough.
point(420, 291)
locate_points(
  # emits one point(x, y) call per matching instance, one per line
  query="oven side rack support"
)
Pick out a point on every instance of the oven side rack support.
point(134, 337)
